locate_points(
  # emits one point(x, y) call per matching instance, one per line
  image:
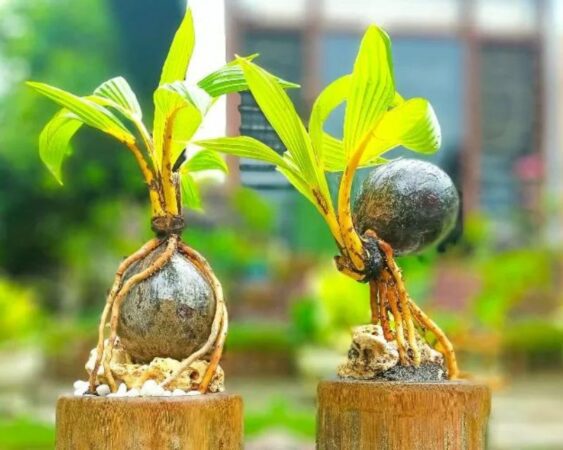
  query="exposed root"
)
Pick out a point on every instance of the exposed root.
point(374, 302)
point(383, 317)
point(214, 340)
point(403, 298)
point(388, 295)
point(447, 347)
point(158, 264)
point(399, 332)
point(216, 356)
point(125, 264)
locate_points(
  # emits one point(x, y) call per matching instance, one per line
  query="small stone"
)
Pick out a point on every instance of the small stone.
point(78, 393)
point(193, 393)
point(149, 387)
point(133, 393)
point(80, 385)
point(102, 390)
point(178, 392)
point(121, 390)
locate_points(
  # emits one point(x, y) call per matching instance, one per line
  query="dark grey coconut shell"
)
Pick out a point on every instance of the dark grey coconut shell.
point(410, 204)
point(169, 314)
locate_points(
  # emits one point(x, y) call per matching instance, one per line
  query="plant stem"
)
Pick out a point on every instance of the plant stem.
point(157, 207)
point(350, 237)
point(170, 200)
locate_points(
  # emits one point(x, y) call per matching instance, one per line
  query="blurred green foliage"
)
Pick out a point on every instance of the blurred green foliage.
point(265, 336)
point(279, 414)
point(19, 313)
point(26, 434)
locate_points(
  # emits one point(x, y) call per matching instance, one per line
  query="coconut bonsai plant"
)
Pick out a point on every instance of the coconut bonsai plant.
point(165, 303)
point(404, 205)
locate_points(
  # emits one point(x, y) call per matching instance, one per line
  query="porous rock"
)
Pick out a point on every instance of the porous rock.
point(371, 356)
point(135, 375)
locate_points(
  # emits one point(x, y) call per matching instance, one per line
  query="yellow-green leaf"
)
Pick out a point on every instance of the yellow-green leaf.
point(87, 111)
point(180, 53)
point(191, 196)
point(180, 108)
point(120, 93)
point(54, 140)
point(244, 147)
point(230, 78)
point(372, 88)
point(206, 160)
point(412, 124)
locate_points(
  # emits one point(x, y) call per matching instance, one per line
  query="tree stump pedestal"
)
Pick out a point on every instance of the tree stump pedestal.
point(204, 422)
point(386, 415)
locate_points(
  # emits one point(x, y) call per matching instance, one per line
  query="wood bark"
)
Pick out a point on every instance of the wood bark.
point(364, 415)
point(204, 422)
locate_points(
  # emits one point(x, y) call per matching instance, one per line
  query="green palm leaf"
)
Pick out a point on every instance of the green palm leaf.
point(180, 108)
point(371, 90)
point(118, 91)
point(180, 53)
point(206, 160)
point(54, 140)
point(86, 110)
point(230, 78)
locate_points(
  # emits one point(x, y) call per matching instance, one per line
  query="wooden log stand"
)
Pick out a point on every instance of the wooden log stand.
point(205, 422)
point(364, 415)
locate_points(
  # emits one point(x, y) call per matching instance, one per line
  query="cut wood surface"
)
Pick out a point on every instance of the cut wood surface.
point(205, 422)
point(362, 415)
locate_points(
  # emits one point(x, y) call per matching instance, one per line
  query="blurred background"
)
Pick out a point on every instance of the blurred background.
point(492, 70)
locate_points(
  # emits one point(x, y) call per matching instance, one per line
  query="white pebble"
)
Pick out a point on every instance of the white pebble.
point(121, 391)
point(149, 387)
point(166, 393)
point(80, 385)
point(193, 393)
point(79, 393)
point(102, 390)
point(178, 392)
point(133, 393)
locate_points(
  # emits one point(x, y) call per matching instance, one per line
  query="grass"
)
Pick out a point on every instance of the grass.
point(26, 434)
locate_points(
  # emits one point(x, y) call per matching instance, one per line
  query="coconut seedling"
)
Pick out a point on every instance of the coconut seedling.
point(165, 301)
point(404, 205)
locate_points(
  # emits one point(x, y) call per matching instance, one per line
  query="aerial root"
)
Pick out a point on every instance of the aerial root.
point(217, 353)
point(125, 264)
point(374, 301)
point(449, 354)
point(383, 311)
point(158, 264)
point(219, 327)
point(399, 332)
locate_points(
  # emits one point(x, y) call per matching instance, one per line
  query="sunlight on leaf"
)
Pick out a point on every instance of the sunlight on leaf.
point(54, 141)
point(118, 90)
point(372, 88)
point(191, 196)
point(86, 110)
point(206, 160)
point(180, 108)
point(230, 78)
point(244, 147)
point(180, 53)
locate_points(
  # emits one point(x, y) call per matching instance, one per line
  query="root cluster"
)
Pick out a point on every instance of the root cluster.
point(213, 347)
point(400, 318)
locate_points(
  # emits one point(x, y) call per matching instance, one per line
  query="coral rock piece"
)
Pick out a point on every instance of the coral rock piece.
point(369, 354)
point(135, 376)
point(372, 357)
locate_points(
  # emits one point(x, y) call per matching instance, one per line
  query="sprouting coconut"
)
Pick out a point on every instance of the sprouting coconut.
point(404, 205)
point(165, 301)
point(410, 204)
